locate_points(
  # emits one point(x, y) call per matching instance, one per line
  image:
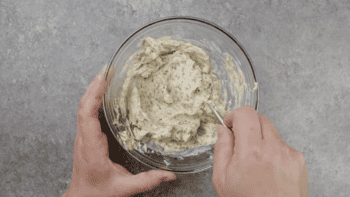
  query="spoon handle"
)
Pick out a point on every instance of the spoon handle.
point(218, 116)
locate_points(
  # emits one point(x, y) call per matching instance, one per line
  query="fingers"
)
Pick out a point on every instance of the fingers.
point(269, 132)
point(223, 152)
point(93, 95)
point(88, 123)
point(147, 180)
point(246, 127)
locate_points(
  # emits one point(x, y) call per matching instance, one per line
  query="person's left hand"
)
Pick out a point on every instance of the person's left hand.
point(94, 174)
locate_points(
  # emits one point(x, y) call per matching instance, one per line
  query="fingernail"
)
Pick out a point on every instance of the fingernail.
point(168, 179)
point(102, 74)
point(104, 69)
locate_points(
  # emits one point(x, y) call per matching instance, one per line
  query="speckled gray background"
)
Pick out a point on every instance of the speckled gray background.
point(51, 50)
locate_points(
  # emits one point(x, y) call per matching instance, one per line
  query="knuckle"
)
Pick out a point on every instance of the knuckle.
point(80, 116)
point(285, 151)
point(296, 155)
point(294, 152)
point(290, 151)
point(103, 138)
point(263, 117)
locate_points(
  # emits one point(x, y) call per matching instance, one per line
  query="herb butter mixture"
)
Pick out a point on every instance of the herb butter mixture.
point(166, 94)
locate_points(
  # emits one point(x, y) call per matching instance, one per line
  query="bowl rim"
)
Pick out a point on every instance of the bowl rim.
point(170, 18)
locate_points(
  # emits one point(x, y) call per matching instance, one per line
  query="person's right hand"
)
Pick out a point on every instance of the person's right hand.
point(254, 161)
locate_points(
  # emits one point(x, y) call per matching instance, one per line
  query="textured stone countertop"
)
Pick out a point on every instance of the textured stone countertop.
point(51, 50)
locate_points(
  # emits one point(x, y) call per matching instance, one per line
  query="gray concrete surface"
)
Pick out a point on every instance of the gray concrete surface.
point(51, 50)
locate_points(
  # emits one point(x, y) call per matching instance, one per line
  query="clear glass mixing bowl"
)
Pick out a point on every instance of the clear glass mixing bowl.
point(216, 42)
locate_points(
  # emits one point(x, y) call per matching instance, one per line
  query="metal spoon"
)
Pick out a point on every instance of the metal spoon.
point(219, 117)
point(217, 113)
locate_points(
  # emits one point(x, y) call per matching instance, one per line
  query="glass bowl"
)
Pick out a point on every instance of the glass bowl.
point(216, 42)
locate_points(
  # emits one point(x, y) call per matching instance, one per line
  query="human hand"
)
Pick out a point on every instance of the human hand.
point(254, 161)
point(94, 174)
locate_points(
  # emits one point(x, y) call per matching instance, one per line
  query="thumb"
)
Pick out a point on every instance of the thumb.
point(223, 152)
point(148, 180)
